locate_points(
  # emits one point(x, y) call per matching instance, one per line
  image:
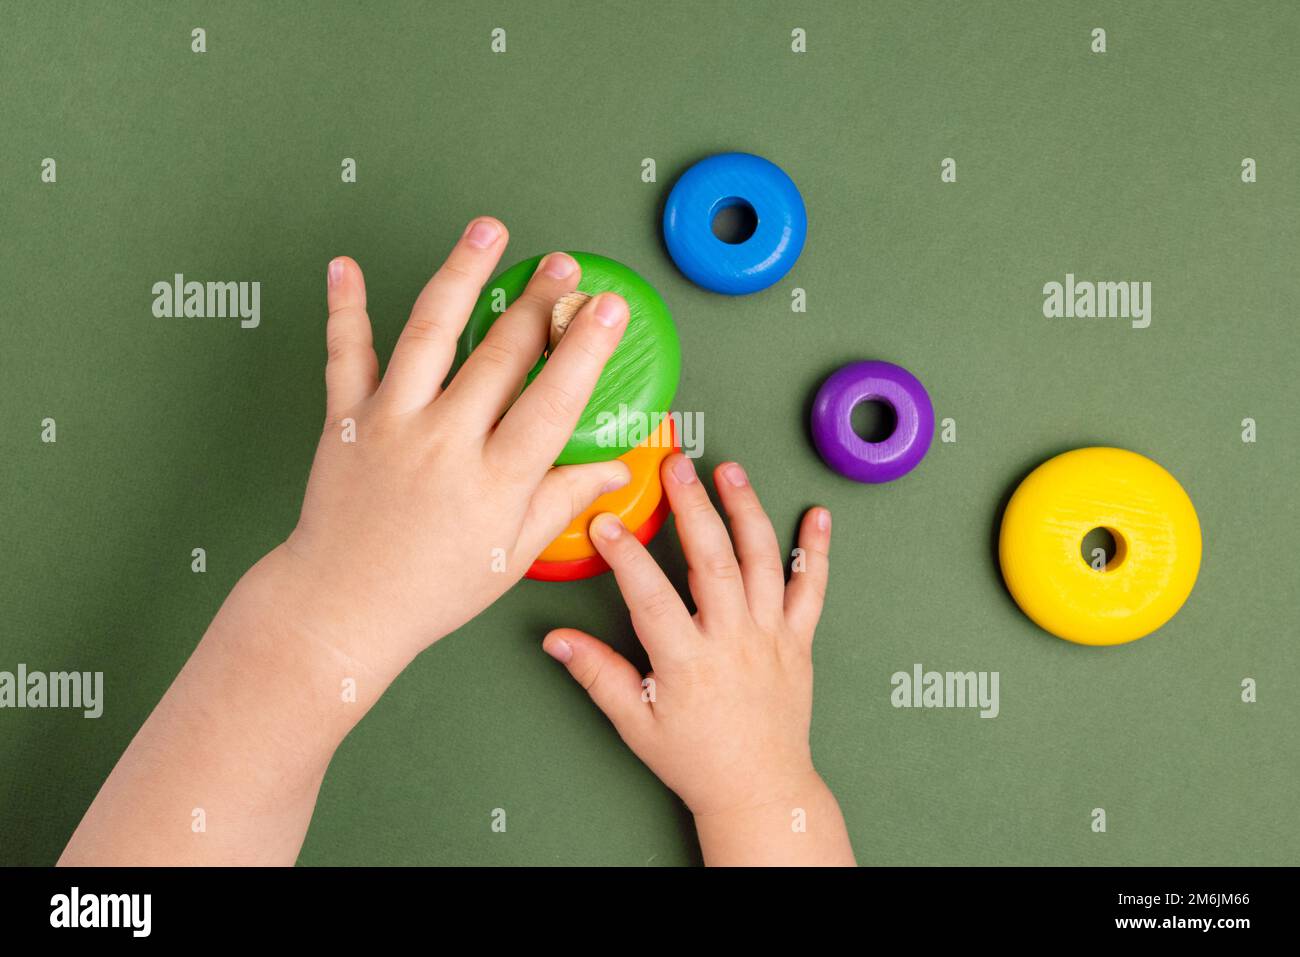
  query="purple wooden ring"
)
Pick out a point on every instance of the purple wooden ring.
point(853, 456)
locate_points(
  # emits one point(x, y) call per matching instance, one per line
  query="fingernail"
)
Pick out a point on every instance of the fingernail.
point(823, 519)
point(736, 475)
point(617, 482)
point(607, 526)
point(559, 265)
point(683, 470)
point(482, 234)
point(610, 311)
point(559, 649)
point(335, 271)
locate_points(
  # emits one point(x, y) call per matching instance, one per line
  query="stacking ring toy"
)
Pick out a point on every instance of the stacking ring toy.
point(640, 378)
point(634, 503)
point(595, 565)
point(735, 180)
point(1157, 546)
point(853, 456)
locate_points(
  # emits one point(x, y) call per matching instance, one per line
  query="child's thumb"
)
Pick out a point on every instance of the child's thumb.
point(614, 685)
point(564, 494)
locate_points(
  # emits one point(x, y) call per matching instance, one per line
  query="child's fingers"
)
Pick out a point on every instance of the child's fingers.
point(427, 345)
point(564, 494)
point(351, 369)
point(610, 679)
point(539, 424)
point(807, 589)
point(490, 378)
point(714, 573)
point(755, 542)
point(661, 620)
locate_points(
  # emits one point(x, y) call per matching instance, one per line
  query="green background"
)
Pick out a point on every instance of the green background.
point(176, 433)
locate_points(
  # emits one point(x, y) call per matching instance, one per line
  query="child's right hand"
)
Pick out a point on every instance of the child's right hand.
point(723, 718)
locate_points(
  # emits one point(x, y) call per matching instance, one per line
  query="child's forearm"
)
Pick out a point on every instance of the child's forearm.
point(227, 767)
point(804, 829)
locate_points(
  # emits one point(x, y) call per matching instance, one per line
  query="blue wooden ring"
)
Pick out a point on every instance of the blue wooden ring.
point(735, 179)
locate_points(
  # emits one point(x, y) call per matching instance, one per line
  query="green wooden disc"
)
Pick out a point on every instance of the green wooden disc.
point(640, 377)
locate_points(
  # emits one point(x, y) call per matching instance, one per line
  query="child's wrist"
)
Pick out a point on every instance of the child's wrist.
point(798, 824)
point(336, 627)
point(779, 789)
point(282, 633)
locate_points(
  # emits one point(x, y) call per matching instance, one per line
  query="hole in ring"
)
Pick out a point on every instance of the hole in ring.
point(733, 220)
point(1103, 549)
point(873, 420)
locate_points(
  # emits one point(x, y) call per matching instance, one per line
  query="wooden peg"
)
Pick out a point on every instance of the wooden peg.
point(565, 309)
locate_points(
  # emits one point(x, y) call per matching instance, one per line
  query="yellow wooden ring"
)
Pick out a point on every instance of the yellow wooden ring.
point(1157, 538)
point(634, 503)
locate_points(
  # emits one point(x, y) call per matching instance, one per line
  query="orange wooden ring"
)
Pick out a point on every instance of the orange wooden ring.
point(634, 503)
point(595, 565)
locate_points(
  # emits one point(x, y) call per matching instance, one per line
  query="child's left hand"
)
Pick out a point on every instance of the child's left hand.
point(414, 490)
point(402, 525)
